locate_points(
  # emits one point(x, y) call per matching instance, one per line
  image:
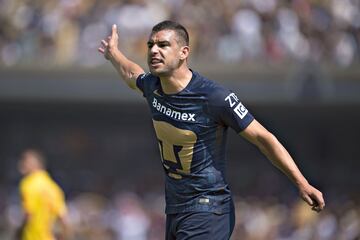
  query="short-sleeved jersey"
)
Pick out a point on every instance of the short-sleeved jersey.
point(43, 201)
point(191, 128)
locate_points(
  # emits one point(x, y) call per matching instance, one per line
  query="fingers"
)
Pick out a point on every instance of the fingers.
point(102, 50)
point(315, 200)
point(313, 197)
point(103, 47)
point(110, 40)
point(316, 208)
point(104, 43)
point(314, 203)
point(308, 200)
point(319, 202)
point(114, 30)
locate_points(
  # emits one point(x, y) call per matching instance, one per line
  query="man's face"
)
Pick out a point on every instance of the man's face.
point(24, 164)
point(164, 53)
point(27, 163)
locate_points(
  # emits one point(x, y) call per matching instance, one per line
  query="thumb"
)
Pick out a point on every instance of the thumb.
point(114, 30)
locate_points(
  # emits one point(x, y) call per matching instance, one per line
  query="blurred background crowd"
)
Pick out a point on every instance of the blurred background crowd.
point(130, 217)
point(64, 32)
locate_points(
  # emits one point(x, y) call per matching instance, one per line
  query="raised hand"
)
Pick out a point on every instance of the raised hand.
point(313, 197)
point(110, 45)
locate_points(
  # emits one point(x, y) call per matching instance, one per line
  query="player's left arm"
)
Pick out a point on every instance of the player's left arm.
point(60, 209)
point(279, 156)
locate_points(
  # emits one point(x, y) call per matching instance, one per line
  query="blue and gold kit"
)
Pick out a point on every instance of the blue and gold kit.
point(191, 128)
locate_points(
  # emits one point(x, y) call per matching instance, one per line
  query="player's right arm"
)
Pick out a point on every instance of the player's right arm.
point(128, 70)
point(60, 209)
point(65, 229)
point(280, 158)
point(27, 200)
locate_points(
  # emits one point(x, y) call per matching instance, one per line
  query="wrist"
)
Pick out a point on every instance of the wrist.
point(113, 49)
point(112, 53)
point(302, 184)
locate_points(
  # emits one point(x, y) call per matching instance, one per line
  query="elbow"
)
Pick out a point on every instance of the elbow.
point(129, 80)
point(131, 85)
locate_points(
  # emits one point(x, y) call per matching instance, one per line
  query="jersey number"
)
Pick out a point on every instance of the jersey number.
point(176, 148)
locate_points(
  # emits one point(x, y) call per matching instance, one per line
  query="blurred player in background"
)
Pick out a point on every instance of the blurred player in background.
point(42, 199)
point(191, 115)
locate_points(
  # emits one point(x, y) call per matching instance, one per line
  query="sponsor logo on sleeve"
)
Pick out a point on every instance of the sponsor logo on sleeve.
point(236, 105)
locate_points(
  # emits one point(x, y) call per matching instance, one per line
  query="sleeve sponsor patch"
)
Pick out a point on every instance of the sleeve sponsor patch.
point(236, 105)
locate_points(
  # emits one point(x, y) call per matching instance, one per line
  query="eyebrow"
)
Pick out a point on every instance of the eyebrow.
point(158, 42)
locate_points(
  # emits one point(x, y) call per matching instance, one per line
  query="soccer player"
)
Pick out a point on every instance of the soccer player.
point(42, 199)
point(191, 115)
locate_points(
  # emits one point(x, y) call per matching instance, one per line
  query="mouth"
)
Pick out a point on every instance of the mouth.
point(155, 62)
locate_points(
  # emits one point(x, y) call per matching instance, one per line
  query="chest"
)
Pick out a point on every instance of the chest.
point(185, 112)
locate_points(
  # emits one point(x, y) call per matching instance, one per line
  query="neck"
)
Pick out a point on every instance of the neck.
point(177, 81)
point(36, 170)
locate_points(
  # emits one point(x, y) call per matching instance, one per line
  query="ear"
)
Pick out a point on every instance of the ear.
point(184, 52)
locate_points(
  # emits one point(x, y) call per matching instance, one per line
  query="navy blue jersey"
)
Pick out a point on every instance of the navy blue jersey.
point(191, 128)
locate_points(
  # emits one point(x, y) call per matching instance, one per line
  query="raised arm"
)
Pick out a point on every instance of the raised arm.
point(279, 156)
point(128, 70)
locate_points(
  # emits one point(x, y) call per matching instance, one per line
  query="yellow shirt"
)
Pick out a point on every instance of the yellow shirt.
point(43, 201)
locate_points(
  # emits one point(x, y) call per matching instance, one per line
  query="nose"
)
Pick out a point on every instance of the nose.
point(154, 49)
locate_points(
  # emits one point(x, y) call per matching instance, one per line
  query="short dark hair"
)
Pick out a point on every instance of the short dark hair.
point(180, 30)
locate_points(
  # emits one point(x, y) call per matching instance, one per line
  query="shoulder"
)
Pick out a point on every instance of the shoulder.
point(52, 184)
point(27, 181)
point(146, 75)
point(46, 181)
point(28, 184)
point(147, 82)
point(214, 91)
point(147, 78)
